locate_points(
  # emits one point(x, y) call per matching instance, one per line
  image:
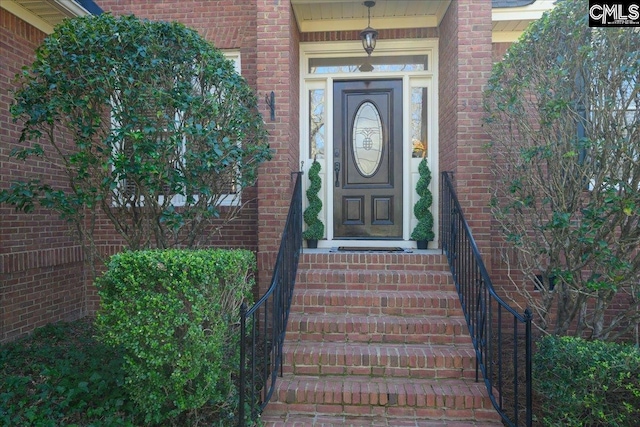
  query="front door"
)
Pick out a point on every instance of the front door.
point(367, 159)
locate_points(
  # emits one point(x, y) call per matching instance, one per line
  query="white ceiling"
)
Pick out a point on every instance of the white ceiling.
point(348, 15)
point(345, 15)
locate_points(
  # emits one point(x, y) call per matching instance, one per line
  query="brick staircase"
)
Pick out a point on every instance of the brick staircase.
point(377, 339)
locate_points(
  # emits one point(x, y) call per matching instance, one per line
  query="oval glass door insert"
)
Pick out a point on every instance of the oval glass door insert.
point(367, 139)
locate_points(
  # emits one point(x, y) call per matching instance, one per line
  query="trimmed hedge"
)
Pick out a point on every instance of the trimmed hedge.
point(315, 227)
point(174, 314)
point(587, 383)
point(422, 208)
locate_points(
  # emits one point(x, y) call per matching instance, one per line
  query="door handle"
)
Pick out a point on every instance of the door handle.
point(336, 169)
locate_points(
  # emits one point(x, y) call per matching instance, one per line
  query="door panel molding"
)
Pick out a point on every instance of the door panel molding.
point(367, 116)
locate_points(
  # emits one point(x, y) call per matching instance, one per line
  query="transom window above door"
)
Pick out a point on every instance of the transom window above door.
point(369, 64)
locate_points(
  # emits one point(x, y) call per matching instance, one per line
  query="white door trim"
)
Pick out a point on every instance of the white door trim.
point(411, 79)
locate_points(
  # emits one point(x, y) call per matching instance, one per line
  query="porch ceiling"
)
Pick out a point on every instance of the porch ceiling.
point(44, 14)
point(345, 15)
point(510, 22)
point(509, 17)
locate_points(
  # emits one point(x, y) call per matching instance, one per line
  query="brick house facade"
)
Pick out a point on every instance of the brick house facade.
point(42, 277)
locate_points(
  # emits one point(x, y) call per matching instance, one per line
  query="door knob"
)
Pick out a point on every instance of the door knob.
point(336, 169)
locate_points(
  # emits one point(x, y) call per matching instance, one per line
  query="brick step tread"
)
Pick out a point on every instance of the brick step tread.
point(367, 279)
point(333, 394)
point(377, 329)
point(385, 360)
point(438, 303)
point(324, 420)
point(373, 261)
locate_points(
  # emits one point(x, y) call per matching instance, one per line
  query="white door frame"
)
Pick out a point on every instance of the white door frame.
point(410, 79)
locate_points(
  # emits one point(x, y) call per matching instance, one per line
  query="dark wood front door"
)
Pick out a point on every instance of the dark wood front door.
point(367, 159)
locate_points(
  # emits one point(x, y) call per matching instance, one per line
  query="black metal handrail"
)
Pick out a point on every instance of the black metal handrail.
point(498, 332)
point(263, 326)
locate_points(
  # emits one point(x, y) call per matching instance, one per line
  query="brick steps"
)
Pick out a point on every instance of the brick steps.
point(348, 261)
point(318, 301)
point(381, 360)
point(375, 280)
point(377, 340)
point(323, 420)
point(382, 329)
point(395, 397)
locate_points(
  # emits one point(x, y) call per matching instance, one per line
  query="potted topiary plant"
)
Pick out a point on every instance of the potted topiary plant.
point(423, 233)
point(315, 227)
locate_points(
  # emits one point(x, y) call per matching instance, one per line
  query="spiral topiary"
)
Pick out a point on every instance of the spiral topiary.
point(315, 227)
point(422, 209)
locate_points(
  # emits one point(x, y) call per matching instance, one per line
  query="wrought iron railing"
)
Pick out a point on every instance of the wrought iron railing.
point(501, 336)
point(263, 326)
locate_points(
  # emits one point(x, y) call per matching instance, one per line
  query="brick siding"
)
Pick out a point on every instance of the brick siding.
point(41, 268)
point(465, 66)
point(278, 70)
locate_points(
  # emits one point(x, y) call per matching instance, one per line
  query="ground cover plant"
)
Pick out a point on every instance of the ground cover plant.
point(62, 375)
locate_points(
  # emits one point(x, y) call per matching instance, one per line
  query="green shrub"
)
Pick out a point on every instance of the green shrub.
point(174, 314)
point(315, 227)
point(422, 208)
point(133, 111)
point(587, 383)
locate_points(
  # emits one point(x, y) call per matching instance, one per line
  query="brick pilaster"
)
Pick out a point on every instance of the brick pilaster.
point(277, 68)
point(465, 66)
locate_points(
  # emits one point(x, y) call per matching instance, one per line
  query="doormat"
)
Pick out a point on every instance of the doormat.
point(369, 249)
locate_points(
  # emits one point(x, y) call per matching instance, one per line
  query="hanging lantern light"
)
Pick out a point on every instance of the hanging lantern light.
point(369, 35)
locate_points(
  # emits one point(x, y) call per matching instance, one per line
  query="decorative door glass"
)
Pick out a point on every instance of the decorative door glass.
point(367, 139)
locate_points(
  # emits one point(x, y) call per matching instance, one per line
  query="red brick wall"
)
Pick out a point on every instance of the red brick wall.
point(447, 90)
point(227, 24)
point(499, 49)
point(465, 66)
point(278, 70)
point(41, 273)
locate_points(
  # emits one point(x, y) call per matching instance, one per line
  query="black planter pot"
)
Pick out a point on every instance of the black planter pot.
point(422, 244)
point(312, 243)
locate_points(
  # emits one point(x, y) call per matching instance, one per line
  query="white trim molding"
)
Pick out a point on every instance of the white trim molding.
point(57, 10)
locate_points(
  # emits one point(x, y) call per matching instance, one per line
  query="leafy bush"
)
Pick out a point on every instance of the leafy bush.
point(315, 227)
point(587, 383)
point(174, 314)
point(561, 113)
point(60, 375)
point(139, 113)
